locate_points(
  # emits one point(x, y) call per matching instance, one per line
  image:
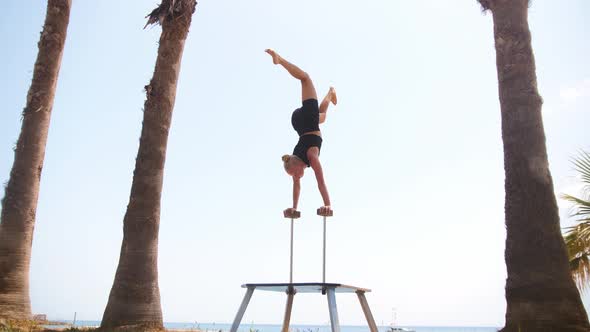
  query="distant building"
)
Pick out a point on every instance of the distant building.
point(40, 318)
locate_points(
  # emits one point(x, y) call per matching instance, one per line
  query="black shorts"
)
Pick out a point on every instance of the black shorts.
point(306, 118)
point(306, 142)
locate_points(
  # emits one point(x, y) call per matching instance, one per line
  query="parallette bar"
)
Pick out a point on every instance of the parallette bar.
point(292, 214)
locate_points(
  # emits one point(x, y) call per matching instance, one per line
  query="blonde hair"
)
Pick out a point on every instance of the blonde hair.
point(285, 158)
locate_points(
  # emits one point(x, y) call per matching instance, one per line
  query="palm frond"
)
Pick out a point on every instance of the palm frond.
point(581, 207)
point(167, 9)
point(485, 4)
point(580, 268)
point(577, 239)
point(582, 165)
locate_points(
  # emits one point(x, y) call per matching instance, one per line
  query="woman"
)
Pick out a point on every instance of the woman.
point(305, 121)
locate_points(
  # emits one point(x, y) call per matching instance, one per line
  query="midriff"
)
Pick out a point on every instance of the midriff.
point(316, 132)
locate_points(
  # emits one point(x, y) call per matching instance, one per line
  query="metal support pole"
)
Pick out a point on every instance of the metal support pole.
point(242, 310)
point(291, 262)
point(291, 214)
point(333, 310)
point(367, 311)
point(324, 260)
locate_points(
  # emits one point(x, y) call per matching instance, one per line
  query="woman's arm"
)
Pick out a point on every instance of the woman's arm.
point(296, 190)
point(292, 211)
point(314, 162)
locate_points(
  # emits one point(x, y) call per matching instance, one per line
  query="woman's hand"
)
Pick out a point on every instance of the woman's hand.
point(325, 211)
point(291, 213)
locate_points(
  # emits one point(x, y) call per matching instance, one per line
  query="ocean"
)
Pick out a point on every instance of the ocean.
point(213, 327)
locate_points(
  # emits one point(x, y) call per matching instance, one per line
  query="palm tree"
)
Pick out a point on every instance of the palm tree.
point(19, 204)
point(135, 296)
point(540, 293)
point(577, 238)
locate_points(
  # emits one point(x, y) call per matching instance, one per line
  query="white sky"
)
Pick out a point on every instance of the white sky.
point(412, 154)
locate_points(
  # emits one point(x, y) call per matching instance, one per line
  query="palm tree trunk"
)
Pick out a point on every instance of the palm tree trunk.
point(19, 204)
point(135, 296)
point(540, 292)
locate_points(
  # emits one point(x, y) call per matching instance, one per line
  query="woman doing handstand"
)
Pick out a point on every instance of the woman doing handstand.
point(306, 121)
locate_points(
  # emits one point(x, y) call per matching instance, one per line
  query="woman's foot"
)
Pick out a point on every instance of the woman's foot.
point(276, 58)
point(333, 97)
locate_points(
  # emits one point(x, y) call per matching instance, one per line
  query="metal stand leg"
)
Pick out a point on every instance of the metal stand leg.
point(242, 310)
point(287, 319)
point(367, 311)
point(333, 310)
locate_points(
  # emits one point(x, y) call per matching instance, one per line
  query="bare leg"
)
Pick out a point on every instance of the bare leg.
point(307, 88)
point(329, 98)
